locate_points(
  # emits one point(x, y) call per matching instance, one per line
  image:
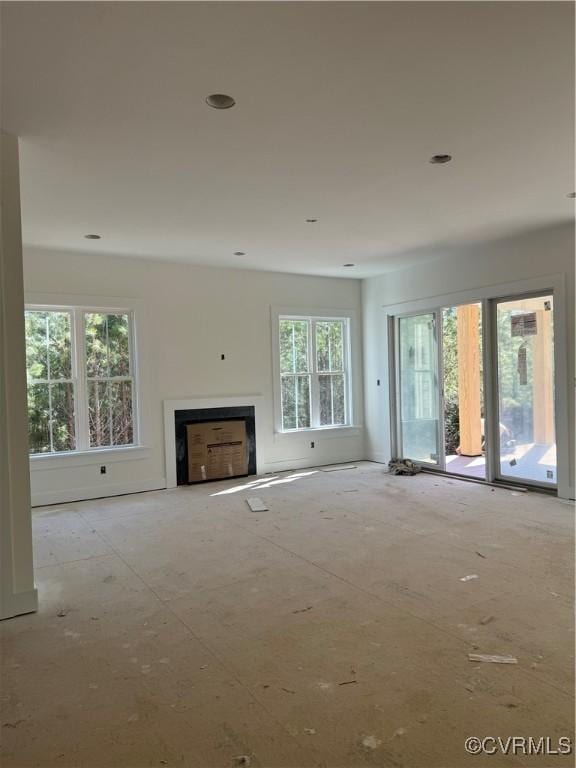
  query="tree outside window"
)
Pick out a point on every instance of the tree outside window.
point(51, 393)
point(109, 380)
point(314, 372)
point(80, 379)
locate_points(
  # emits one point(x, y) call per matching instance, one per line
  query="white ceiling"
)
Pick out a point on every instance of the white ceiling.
point(339, 108)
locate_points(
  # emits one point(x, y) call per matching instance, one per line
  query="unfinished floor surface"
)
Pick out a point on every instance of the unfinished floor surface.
point(179, 628)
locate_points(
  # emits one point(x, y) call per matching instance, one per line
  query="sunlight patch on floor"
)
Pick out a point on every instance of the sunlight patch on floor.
point(265, 482)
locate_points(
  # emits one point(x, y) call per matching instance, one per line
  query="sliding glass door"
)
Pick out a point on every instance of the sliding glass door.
point(474, 389)
point(418, 424)
point(525, 381)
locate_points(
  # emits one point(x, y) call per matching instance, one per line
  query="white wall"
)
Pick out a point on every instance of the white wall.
point(540, 253)
point(187, 317)
point(190, 315)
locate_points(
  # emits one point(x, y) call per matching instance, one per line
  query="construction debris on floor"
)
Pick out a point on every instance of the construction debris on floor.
point(491, 659)
point(338, 468)
point(402, 467)
point(256, 504)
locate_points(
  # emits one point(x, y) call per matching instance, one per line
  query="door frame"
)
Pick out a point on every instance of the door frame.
point(396, 429)
point(554, 284)
point(495, 411)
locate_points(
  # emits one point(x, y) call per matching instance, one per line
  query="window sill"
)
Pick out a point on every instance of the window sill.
point(44, 461)
point(347, 430)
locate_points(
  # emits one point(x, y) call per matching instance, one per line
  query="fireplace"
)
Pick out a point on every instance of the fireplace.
point(201, 415)
point(178, 413)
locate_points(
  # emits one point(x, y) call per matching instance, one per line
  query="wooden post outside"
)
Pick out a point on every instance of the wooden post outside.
point(468, 317)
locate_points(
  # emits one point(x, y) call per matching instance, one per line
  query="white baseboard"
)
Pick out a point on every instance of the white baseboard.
point(378, 458)
point(305, 463)
point(45, 498)
point(18, 604)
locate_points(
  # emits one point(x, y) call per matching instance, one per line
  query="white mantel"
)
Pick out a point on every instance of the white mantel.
point(192, 403)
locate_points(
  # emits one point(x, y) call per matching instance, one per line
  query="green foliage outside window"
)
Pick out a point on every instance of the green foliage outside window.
point(108, 377)
point(51, 413)
point(313, 371)
point(53, 380)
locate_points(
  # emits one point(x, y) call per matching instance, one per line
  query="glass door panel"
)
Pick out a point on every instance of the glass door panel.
point(463, 401)
point(525, 340)
point(418, 388)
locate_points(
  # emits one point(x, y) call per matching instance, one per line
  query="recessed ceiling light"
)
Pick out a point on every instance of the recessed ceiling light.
point(239, 253)
point(93, 237)
point(440, 159)
point(348, 265)
point(571, 194)
point(311, 221)
point(220, 101)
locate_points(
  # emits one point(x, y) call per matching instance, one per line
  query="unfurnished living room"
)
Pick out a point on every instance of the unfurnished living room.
point(287, 384)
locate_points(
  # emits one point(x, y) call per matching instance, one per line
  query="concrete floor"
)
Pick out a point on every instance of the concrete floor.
point(530, 461)
point(178, 628)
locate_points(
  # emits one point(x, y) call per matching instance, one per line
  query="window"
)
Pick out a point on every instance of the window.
point(51, 413)
point(80, 372)
point(313, 372)
point(109, 380)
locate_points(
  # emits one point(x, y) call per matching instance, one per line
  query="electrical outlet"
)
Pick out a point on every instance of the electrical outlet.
point(222, 357)
point(102, 470)
point(312, 444)
point(377, 382)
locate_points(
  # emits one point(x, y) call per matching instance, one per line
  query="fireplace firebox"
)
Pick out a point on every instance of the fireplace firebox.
point(198, 415)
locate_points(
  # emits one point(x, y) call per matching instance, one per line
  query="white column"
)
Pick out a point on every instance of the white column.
point(17, 591)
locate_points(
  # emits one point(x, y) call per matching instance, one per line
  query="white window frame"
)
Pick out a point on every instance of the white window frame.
point(49, 381)
point(314, 316)
point(80, 379)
